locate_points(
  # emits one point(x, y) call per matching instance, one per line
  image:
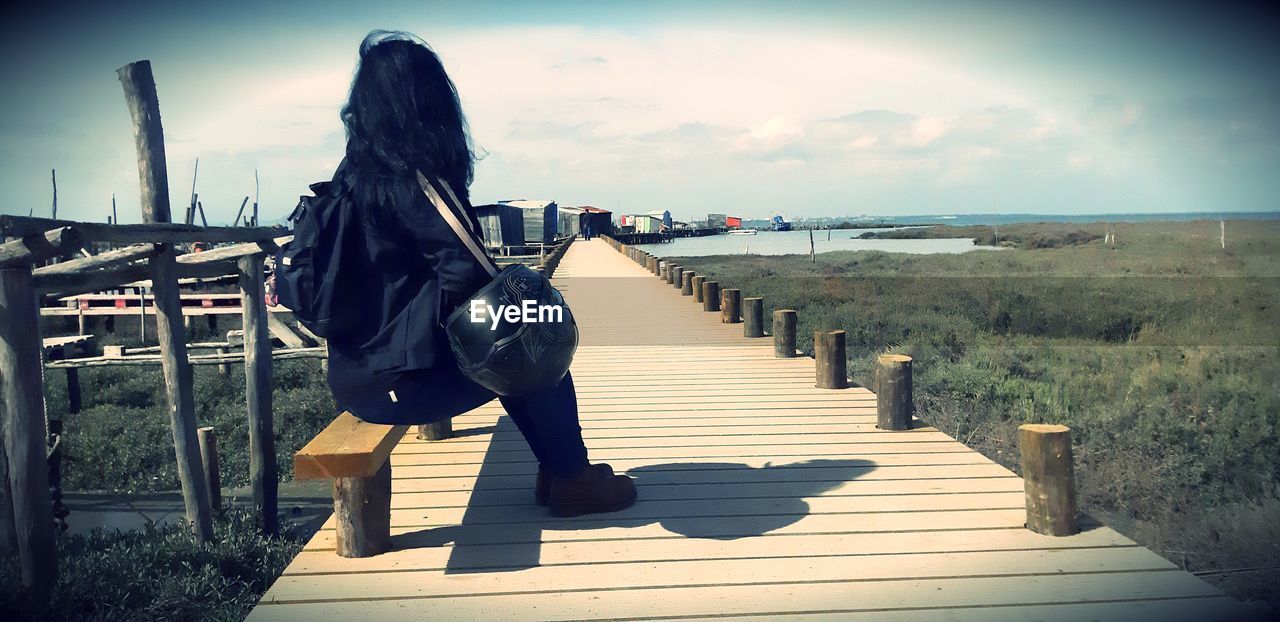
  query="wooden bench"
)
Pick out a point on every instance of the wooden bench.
point(355, 455)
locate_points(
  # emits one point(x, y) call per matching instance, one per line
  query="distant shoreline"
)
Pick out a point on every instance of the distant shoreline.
point(989, 219)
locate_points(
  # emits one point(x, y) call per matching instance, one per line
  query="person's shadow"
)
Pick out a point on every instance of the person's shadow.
point(502, 530)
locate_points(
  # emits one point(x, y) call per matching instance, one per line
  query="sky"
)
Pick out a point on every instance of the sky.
point(747, 108)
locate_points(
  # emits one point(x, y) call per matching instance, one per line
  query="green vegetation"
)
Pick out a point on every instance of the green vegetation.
point(1025, 236)
point(1162, 353)
point(160, 573)
point(122, 403)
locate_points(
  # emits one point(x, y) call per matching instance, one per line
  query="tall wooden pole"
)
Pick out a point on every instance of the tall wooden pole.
point(22, 396)
point(53, 174)
point(257, 371)
point(153, 179)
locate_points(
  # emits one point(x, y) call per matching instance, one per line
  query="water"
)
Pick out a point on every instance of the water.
point(797, 243)
point(1004, 219)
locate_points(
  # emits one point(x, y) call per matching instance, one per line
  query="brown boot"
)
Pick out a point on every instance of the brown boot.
point(593, 490)
point(542, 486)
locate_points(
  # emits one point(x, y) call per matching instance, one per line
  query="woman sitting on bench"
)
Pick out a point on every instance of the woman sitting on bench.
point(403, 116)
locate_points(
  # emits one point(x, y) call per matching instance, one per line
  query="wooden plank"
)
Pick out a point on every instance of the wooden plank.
point(37, 246)
point(426, 481)
point(728, 527)
point(828, 567)
point(453, 464)
point(519, 507)
point(720, 600)
point(100, 261)
point(159, 232)
point(281, 331)
point(406, 496)
point(347, 447)
point(868, 451)
point(743, 537)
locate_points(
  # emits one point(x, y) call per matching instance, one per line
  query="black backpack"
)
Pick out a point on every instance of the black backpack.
point(314, 275)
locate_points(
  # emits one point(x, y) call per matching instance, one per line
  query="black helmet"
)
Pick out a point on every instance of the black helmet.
point(514, 357)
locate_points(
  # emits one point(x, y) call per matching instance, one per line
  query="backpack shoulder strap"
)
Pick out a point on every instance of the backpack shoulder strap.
point(463, 232)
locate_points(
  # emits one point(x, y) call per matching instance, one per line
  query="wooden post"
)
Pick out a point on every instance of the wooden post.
point(73, 390)
point(437, 431)
point(686, 283)
point(894, 402)
point(224, 369)
point(257, 371)
point(813, 257)
point(1049, 478)
point(828, 353)
point(677, 277)
point(209, 462)
point(710, 296)
point(153, 179)
point(362, 513)
point(784, 333)
point(697, 283)
point(730, 306)
point(23, 425)
point(753, 317)
point(142, 314)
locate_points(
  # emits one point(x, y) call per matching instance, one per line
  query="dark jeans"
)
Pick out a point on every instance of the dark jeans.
point(548, 419)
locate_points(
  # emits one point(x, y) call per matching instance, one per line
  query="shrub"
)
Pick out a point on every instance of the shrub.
point(158, 573)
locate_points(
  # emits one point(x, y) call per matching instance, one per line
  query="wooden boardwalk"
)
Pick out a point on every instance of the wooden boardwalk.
point(760, 497)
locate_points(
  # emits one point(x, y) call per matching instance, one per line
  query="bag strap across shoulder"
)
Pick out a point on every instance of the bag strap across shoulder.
point(464, 232)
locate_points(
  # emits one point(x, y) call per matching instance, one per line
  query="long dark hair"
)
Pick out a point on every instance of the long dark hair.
point(403, 115)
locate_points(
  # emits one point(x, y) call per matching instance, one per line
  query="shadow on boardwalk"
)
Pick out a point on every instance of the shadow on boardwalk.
point(710, 500)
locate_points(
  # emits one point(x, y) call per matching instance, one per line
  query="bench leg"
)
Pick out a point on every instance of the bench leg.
point(362, 511)
point(437, 431)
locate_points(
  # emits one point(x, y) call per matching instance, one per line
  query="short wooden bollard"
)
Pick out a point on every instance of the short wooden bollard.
point(730, 306)
point(697, 283)
point(828, 352)
point(362, 513)
point(209, 461)
point(784, 333)
point(710, 296)
point(686, 283)
point(437, 431)
point(894, 405)
point(753, 317)
point(675, 276)
point(663, 267)
point(1048, 478)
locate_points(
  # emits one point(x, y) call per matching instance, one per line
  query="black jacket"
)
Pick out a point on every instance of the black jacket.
point(416, 271)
